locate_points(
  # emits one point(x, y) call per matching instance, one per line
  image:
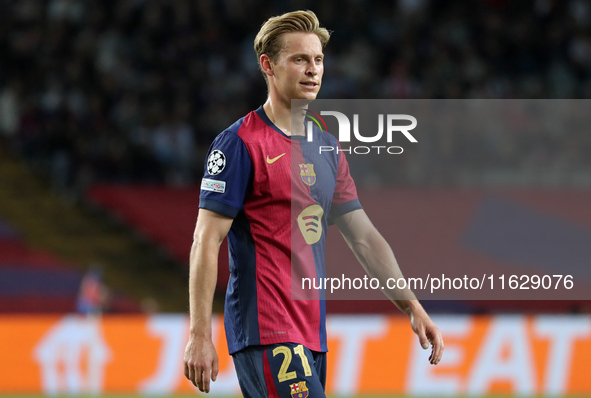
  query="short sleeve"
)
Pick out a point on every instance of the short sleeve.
point(345, 197)
point(227, 176)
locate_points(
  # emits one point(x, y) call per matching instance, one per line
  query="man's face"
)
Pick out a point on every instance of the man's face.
point(299, 68)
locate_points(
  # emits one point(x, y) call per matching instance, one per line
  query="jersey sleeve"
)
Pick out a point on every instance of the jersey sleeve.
point(345, 197)
point(227, 176)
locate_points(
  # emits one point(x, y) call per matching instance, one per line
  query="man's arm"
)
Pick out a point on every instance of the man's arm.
point(201, 360)
point(376, 256)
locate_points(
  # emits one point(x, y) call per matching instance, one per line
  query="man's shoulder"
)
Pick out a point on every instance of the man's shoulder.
point(326, 138)
point(234, 128)
point(244, 128)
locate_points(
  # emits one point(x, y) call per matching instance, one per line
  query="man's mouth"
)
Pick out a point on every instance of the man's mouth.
point(310, 84)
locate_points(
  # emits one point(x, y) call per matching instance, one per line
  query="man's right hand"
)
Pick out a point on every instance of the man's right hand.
point(201, 362)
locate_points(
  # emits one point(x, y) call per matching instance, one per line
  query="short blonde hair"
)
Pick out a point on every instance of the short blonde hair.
point(269, 39)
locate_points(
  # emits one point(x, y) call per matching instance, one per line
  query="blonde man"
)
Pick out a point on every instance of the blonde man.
point(247, 194)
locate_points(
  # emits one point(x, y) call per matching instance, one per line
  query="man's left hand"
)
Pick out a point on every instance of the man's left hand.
point(428, 333)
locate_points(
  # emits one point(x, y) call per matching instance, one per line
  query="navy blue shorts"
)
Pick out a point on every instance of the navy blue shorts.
point(285, 370)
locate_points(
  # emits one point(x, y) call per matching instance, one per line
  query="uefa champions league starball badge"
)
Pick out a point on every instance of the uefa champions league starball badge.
point(216, 162)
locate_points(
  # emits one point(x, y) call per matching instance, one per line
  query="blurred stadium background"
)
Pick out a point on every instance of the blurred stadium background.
point(107, 109)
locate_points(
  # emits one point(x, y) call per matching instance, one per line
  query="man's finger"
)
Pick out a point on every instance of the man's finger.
point(423, 338)
point(434, 351)
point(441, 348)
point(437, 349)
point(191, 374)
point(197, 376)
point(215, 369)
point(206, 374)
point(186, 370)
point(433, 357)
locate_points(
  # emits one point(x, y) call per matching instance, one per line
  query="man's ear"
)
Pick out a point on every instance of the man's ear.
point(266, 65)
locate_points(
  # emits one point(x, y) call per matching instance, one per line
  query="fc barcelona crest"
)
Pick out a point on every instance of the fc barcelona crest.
point(299, 390)
point(307, 173)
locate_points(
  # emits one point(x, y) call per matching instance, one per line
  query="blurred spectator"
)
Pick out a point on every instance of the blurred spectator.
point(149, 305)
point(93, 296)
point(10, 109)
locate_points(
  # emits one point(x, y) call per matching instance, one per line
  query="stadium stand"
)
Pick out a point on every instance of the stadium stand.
point(35, 281)
point(44, 235)
point(133, 92)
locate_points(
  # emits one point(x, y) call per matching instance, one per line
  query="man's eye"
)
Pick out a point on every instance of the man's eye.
point(299, 60)
point(319, 60)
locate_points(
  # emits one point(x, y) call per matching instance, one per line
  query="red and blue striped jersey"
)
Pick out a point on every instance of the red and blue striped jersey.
point(282, 194)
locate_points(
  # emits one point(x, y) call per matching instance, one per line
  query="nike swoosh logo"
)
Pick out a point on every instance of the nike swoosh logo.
point(271, 161)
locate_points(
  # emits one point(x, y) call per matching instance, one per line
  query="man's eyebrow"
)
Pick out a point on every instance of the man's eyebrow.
point(302, 55)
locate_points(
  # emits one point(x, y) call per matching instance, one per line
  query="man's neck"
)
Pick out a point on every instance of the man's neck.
point(280, 114)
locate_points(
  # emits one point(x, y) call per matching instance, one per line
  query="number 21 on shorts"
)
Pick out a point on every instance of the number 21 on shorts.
point(284, 375)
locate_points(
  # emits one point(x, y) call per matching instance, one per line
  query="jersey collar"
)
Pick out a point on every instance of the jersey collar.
point(261, 112)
